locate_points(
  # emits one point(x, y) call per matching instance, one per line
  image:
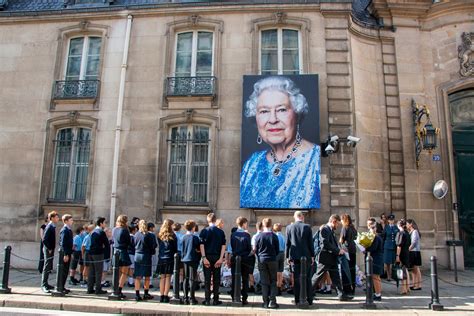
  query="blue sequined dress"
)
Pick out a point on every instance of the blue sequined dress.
point(297, 186)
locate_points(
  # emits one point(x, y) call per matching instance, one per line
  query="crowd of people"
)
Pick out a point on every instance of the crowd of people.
point(327, 262)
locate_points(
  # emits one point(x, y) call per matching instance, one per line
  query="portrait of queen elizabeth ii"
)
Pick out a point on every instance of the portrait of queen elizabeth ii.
point(282, 171)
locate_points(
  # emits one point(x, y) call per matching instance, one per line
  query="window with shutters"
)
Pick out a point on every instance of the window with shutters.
point(71, 164)
point(188, 166)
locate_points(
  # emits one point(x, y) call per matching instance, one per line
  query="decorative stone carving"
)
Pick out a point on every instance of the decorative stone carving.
point(280, 17)
point(194, 19)
point(465, 55)
point(73, 116)
point(189, 115)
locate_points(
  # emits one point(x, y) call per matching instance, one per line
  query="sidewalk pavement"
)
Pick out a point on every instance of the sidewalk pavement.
point(457, 298)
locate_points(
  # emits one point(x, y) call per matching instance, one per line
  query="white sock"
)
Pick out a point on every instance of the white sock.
point(378, 295)
point(328, 287)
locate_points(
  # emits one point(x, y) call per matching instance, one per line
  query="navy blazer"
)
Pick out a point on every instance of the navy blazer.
point(299, 241)
point(66, 240)
point(49, 236)
point(100, 244)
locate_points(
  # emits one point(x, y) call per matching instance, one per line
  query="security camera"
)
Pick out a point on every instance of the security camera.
point(334, 138)
point(329, 149)
point(352, 141)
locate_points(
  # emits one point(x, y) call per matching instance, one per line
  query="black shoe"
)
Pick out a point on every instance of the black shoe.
point(166, 299)
point(148, 297)
point(252, 289)
point(378, 298)
point(66, 291)
point(245, 302)
point(415, 289)
point(162, 299)
point(90, 292)
point(106, 284)
point(73, 281)
point(345, 298)
point(151, 286)
point(290, 291)
point(325, 292)
point(122, 296)
point(49, 287)
point(138, 298)
point(45, 289)
point(193, 301)
point(273, 305)
point(100, 292)
point(206, 303)
point(265, 305)
point(216, 302)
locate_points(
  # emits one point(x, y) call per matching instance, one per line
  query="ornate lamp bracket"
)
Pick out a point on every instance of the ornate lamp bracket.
point(425, 134)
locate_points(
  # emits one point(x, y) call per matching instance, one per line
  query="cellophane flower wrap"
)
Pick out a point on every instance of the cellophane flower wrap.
point(365, 239)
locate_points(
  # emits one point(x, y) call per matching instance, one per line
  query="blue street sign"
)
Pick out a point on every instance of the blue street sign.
point(436, 158)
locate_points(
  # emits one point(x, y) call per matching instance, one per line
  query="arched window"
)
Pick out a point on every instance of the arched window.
point(71, 164)
point(188, 166)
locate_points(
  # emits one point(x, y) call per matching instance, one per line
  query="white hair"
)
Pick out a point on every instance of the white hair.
point(282, 84)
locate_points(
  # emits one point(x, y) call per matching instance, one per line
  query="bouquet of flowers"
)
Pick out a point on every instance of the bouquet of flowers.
point(364, 240)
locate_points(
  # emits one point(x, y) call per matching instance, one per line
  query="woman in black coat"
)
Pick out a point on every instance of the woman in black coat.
point(376, 252)
point(403, 245)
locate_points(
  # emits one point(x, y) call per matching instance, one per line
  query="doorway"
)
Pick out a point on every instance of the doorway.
point(461, 105)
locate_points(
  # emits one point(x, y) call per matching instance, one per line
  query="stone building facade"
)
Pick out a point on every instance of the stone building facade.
point(95, 138)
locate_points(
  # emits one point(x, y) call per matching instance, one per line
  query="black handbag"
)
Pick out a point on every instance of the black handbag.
point(398, 272)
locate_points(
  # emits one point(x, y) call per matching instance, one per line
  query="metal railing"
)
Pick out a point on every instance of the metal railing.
point(191, 86)
point(76, 89)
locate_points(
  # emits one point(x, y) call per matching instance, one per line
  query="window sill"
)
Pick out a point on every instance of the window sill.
point(77, 210)
point(186, 208)
point(78, 104)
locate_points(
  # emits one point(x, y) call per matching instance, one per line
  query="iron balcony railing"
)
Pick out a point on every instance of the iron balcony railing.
point(76, 89)
point(191, 86)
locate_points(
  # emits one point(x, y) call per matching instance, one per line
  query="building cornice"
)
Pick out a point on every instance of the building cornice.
point(144, 11)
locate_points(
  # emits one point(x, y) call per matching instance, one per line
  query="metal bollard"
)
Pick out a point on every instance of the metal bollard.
point(115, 296)
point(303, 303)
point(176, 299)
point(369, 284)
point(6, 271)
point(236, 300)
point(59, 291)
point(435, 304)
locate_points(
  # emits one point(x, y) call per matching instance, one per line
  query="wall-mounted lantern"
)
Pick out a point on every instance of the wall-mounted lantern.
point(426, 135)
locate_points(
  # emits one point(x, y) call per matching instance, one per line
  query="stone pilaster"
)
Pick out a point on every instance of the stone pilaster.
point(340, 111)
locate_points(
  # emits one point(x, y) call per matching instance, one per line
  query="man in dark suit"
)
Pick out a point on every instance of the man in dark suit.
point(299, 243)
point(99, 246)
point(65, 243)
point(49, 243)
point(327, 260)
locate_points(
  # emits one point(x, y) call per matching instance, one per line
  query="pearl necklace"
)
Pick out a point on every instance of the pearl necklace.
point(279, 163)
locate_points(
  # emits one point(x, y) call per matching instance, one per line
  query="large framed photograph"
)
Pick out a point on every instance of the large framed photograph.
point(280, 152)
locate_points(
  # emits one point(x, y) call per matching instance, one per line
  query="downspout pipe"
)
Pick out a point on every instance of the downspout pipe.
point(118, 128)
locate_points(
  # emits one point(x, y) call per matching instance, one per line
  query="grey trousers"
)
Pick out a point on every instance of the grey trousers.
point(47, 267)
point(95, 273)
point(268, 279)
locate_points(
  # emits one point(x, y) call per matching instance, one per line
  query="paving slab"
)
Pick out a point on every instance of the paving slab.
point(457, 298)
